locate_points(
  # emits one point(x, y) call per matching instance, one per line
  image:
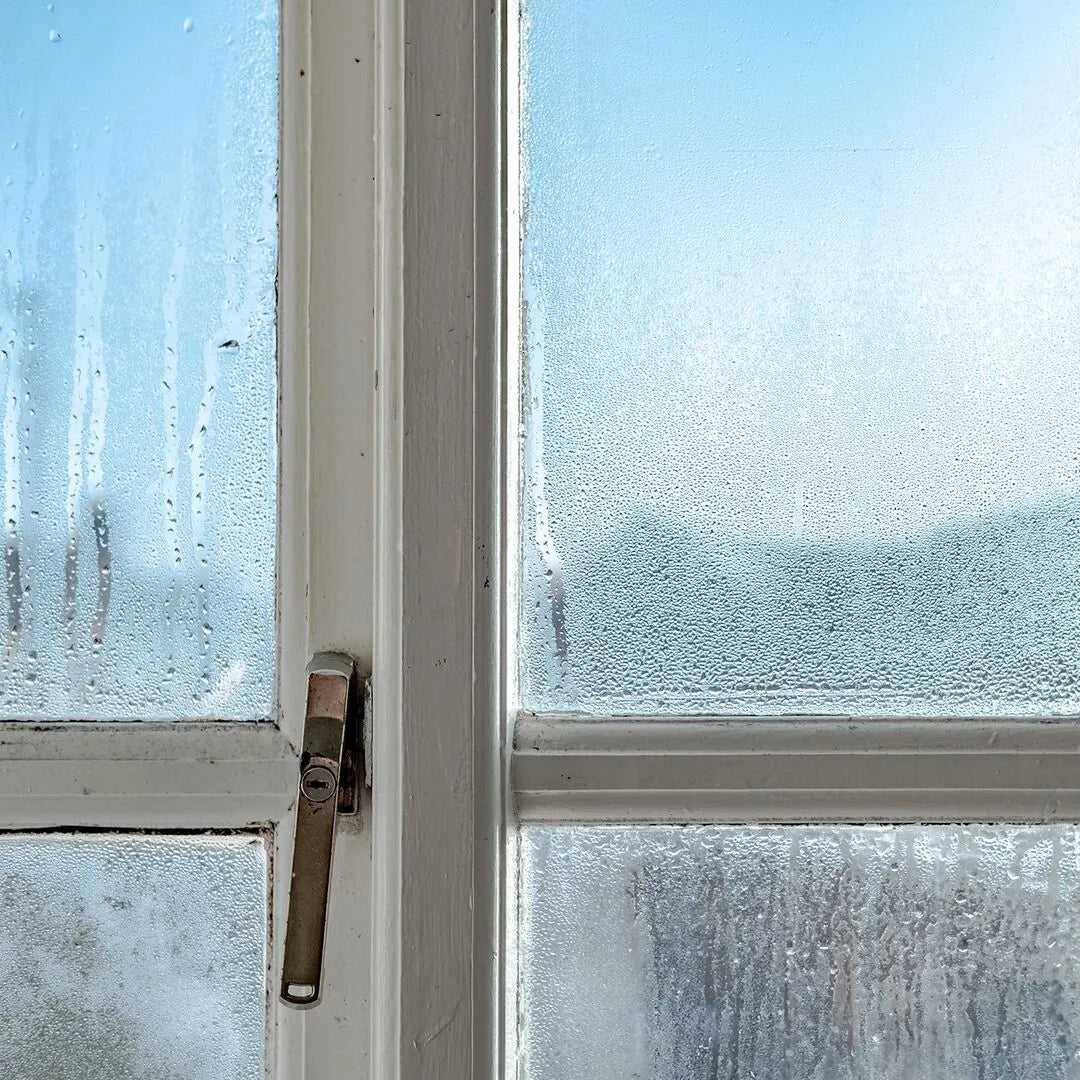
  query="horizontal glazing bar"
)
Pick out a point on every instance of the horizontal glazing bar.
point(143, 741)
point(805, 770)
point(185, 775)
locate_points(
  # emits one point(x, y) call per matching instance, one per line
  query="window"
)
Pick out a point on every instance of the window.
point(188, 518)
point(622, 821)
point(797, 478)
point(400, 412)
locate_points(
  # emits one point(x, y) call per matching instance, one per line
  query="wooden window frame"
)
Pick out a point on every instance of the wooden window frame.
point(211, 776)
point(456, 765)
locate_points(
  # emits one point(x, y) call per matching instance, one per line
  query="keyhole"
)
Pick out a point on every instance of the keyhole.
point(318, 783)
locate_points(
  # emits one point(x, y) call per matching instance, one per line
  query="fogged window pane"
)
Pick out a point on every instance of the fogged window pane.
point(803, 383)
point(822, 953)
point(136, 957)
point(138, 165)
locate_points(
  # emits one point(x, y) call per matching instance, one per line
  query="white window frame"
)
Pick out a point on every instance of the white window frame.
point(437, 772)
point(448, 782)
point(396, 400)
point(215, 775)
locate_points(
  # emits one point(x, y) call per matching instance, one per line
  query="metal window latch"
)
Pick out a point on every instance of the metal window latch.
point(330, 776)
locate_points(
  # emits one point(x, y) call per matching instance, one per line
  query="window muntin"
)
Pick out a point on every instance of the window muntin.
point(801, 389)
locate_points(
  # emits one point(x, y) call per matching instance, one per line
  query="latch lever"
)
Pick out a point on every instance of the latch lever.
point(328, 777)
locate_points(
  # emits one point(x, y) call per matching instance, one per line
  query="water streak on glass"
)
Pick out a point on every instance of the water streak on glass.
point(801, 953)
point(142, 957)
point(138, 249)
point(801, 323)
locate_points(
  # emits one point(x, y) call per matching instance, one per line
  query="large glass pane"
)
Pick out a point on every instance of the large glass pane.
point(134, 957)
point(138, 239)
point(803, 376)
point(800, 953)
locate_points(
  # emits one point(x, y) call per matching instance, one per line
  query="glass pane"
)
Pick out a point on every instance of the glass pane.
point(816, 953)
point(138, 239)
point(803, 382)
point(142, 957)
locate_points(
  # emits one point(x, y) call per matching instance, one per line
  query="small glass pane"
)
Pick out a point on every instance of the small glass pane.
point(800, 953)
point(802, 376)
point(135, 957)
point(138, 240)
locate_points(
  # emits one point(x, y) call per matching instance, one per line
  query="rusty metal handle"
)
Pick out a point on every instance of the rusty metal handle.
point(330, 678)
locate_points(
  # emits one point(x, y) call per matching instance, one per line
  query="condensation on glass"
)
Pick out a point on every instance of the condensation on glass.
point(804, 953)
point(141, 957)
point(138, 240)
point(802, 374)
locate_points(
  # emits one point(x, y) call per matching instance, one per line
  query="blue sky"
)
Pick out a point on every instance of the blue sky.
point(802, 323)
point(138, 228)
point(803, 268)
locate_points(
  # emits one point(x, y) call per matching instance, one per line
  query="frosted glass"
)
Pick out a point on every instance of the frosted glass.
point(800, 953)
point(138, 240)
point(133, 957)
point(803, 376)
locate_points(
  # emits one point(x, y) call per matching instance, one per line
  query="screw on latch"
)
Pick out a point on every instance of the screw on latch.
point(318, 783)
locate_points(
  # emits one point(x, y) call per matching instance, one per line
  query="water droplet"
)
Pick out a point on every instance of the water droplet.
point(189, 25)
point(54, 35)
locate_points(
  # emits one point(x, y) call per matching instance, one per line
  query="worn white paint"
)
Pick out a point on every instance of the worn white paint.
point(436, 771)
point(387, 748)
point(190, 775)
point(217, 775)
point(686, 769)
point(512, 523)
point(342, 327)
point(341, 470)
point(286, 1026)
